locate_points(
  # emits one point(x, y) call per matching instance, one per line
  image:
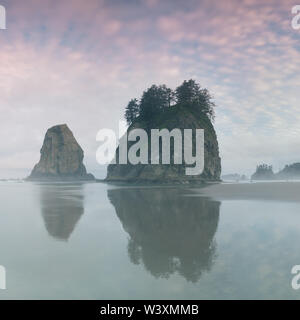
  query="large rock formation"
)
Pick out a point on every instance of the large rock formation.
point(61, 157)
point(181, 117)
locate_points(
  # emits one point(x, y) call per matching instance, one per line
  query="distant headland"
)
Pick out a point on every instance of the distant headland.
point(265, 172)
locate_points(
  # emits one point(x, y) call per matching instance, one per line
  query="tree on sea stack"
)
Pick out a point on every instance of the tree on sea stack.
point(190, 93)
point(159, 98)
point(263, 172)
point(154, 100)
point(132, 111)
point(160, 108)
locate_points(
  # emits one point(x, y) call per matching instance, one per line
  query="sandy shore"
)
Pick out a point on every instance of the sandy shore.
point(275, 191)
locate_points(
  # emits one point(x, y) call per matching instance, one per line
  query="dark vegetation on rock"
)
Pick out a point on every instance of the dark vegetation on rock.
point(158, 99)
point(265, 172)
point(188, 107)
point(290, 172)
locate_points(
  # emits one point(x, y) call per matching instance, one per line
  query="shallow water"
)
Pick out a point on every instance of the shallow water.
point(93, 241)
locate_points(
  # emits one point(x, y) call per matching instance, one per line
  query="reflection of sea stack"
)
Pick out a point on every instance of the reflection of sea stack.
point(168, 232)
point(61, 157)
point(62, 207)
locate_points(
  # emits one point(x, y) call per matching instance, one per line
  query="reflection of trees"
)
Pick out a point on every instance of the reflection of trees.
point(62, 207)
point(168, 231)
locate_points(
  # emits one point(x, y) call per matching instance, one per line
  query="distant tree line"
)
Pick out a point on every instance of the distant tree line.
point(264, 168)
point(159, 98)
point(263, 172)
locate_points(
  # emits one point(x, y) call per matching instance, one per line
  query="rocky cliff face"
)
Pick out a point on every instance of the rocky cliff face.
point(175, 117)
point(61, 157)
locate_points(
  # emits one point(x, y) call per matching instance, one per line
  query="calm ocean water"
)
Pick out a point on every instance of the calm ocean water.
point(94, 241)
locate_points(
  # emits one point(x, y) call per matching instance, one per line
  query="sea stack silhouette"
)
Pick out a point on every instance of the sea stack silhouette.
point(61, 158)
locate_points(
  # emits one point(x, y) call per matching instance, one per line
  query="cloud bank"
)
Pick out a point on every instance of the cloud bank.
point(80, 62)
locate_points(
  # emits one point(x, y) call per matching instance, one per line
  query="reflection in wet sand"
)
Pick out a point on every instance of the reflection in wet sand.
point(168, 232)
point(61, 207)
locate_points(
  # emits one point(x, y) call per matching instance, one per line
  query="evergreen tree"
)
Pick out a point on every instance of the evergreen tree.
point(190, 93)
point(170, 97)
point(132, 111)
point(154, 100)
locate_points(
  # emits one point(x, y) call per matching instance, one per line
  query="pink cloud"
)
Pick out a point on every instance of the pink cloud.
point(81, 63)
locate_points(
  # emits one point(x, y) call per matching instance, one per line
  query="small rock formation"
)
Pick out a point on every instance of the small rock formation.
point(181, 117)
point(263, 172)
point(290, 172)
point(61, 157)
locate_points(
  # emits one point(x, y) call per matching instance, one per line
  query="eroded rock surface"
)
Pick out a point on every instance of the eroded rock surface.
point(176, 117)
point(61, 157)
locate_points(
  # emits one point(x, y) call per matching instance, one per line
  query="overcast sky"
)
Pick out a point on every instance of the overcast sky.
point(79, 62)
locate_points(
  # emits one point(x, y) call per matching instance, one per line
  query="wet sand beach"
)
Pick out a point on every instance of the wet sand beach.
point(274, 191)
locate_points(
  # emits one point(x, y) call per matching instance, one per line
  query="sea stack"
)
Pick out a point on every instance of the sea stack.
point(182, 117)
point(61, 157)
